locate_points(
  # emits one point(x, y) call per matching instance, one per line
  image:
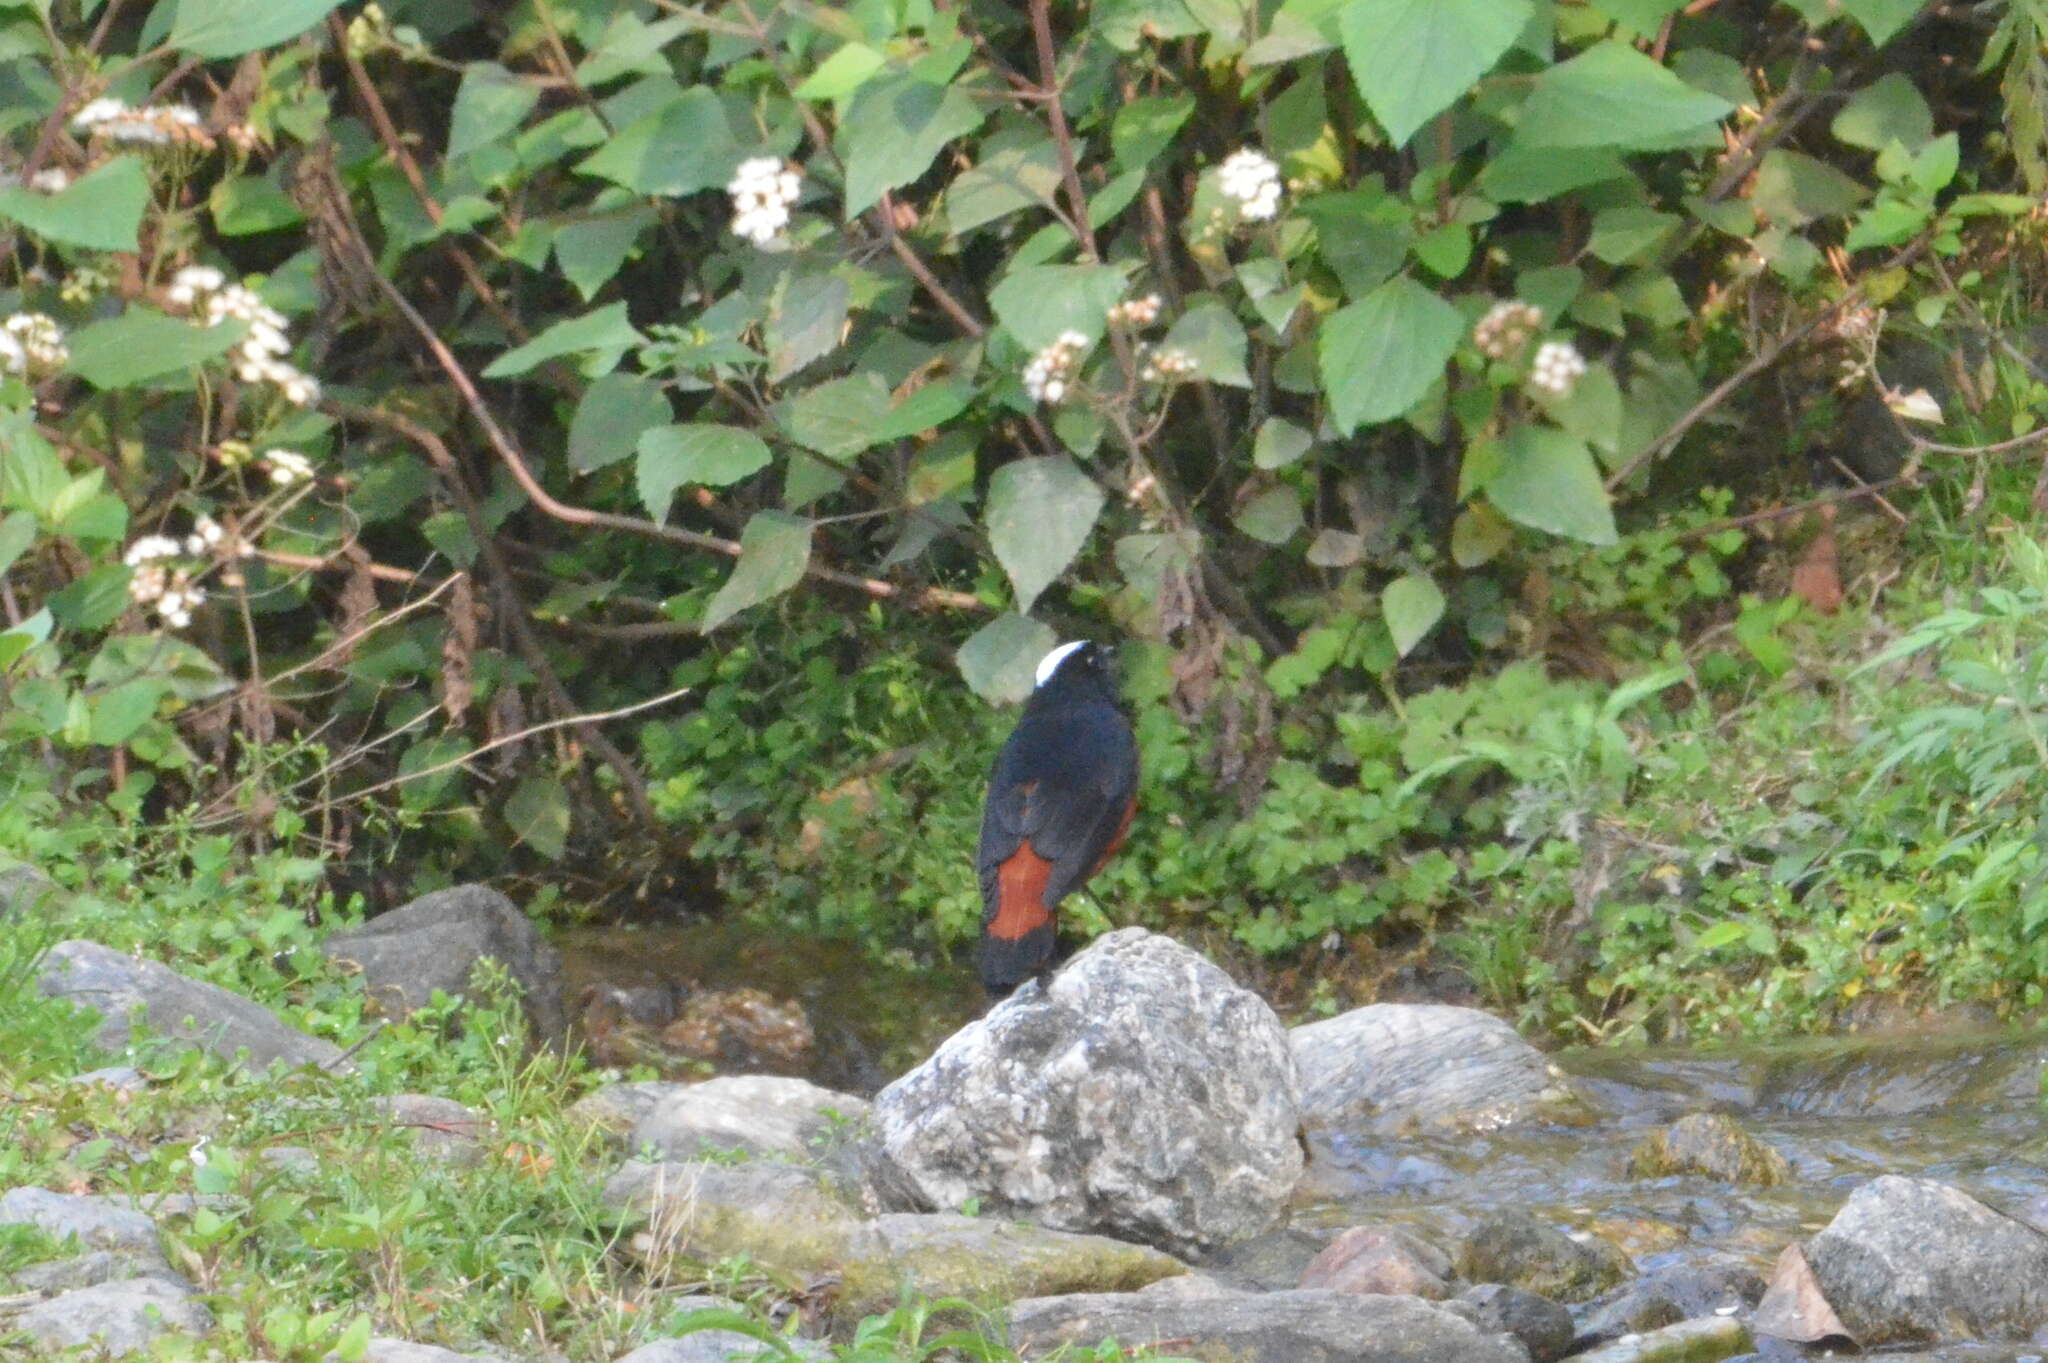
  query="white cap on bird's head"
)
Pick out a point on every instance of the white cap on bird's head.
point(1050, 663)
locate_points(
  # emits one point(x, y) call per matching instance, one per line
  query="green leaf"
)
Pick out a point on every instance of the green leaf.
point(93, 601)
point(1017, 169)
point(1272, 517)
point(1611, 95)
point(606, 330)
point(590, 251)
point(1039, 513)
point(1793, 189)
point(1725, 933)
point(1145, 127)
point(118, 713)
point(143, 344)
point(613, 414)
point(1629, 231)
point(32, 477)
point(1889, 109)
point(1882, 19)
point(842, 73)
point(807, 323)
point(243, 205)
point(1548, 481)
point(1412, 605)
point(694, 452)
point(1479, 535)
point(775, 548)
point(1035, 304)
point(686, 146)
point(1411, 58)
point(893, 132)
point(1000, 660)
point(1213, 338)
point(1644, 16)
point(23, 637)
point(537, 812)
point(228, 28)
point(1379, 355)
point(490, 104)
point(1534, 174)
point(838, 419)
point(1279, 443)
point(17, 533)
point(100, 211)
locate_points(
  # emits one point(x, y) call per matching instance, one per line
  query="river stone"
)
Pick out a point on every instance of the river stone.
point(1702, 1286)
point(1710, 1143)
point(1515, 1248)
point(1706, 1340)
point(95, 1223)
point(1381, 1261)
point(1299, 1326)
point(1270, 1261)
point(117, 1318)
point(1544, 1327)
point(757, 1114)
point(437, 941)
point(1910, 1260)
point(1140, 1093)
point(982, 1259)
point(113, 983)
point(1390, 1068)
point(780, 1215)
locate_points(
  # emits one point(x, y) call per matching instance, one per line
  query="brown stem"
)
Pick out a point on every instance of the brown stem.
point(1062, 135)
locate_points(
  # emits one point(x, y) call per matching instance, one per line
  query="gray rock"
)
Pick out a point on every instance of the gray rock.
point(95, 1223)
point(1515, 1248)
point(758, 1114)
point(1670, 1294)
point(441, 1128)
point(118, 1078)
point(721, 1346)
point(616, 1109)
point(1381, 1261)
point(1270, 1261)
point(1399, 1067)
point(436, 941)
point(1909, 1260)
point(117, 1319)
point(778, 1214)
point(1543, 1326)
point(90, 1270)
point(1141, 1093)
point(388, 1349)
point(25, 890)
point(1710, 1143)
point(1692, 1341)
point(205, 1015)
point(944, 1254)
point(1301, 1326)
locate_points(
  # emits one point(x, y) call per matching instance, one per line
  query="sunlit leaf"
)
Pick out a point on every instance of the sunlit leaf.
point(228, 28)
point(1379, 355)
point(775, 548)
point(1039, 513)
point(1411, 58)
point(1412, 605)
point(998, 661)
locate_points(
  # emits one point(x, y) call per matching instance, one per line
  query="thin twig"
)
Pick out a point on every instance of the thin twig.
point(1062, 135)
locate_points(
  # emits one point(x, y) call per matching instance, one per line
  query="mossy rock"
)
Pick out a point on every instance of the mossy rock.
point(1709, 1143)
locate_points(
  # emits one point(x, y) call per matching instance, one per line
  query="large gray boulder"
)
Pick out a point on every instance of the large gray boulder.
point(1141, 1094)
point(1909, 1260)
point(437, 941)
point(113, 984)
point(115, 1319)
point(1391, 1068)
point(1300, 1326)
point(757, 1114)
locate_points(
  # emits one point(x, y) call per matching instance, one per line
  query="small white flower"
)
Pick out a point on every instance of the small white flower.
point(50, 180)
point(13, 359)
point(150, 547)
point(762, 190)
point(1506, 328)
point(40, 338)
point(100, 111)
point(1049, 375)
point(288, 467)
point(1135, 312)
point(1918, 405)
point(1556, 368)
point(1165, 366)
point(1253, 179)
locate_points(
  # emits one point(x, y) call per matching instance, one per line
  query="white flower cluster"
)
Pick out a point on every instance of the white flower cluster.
point(1164, 366)
point(762, 190)
point(32, 344)
point(48, 180)
point(288, 467)
point(1052, 369)
point(1135, 312)
point(1556, 368)
point(1251, 177)
point(161, 584)
point(1506, 328)
point(204, 292)
point(155, 124)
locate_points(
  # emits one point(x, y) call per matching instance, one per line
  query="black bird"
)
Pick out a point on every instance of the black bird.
point(1060, 801)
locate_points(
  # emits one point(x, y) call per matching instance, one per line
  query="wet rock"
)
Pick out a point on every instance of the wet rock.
point(1300, 1326)
point(741, 1030)
point(25, 890)
point(116, 1318)
point(1515, 1248)
point(1392, 1067)
point(1670, 1294)
point(1381, 1261)
point(1909, 1260)
point(778, 1214)
point(1793, 1307)
point(1707, 1340)
point(441, 1128)
point(437, 941)
point(757, 1114)
point(1710, 1143)
point(1543, 1327)
point(94, 1223)
point(113, 983)
point(1141, 1093)
point(944, 1254)
point(1267, 1262)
